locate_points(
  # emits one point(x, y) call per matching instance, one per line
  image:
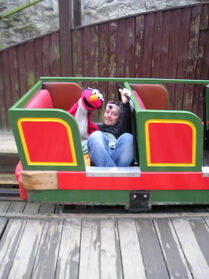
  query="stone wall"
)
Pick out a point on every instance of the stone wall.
point(100, 10)
point(31, 22)
point(43, 18)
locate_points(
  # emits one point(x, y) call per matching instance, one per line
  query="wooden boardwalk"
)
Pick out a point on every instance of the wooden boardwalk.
point(38, 242)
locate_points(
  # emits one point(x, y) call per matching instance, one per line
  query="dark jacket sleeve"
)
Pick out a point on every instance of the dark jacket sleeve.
point(125, 119)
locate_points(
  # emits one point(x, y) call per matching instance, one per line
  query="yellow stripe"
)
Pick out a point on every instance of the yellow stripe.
point(147, 142)
point(25, 148)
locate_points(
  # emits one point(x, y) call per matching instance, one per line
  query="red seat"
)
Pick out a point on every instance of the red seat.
point(153, 96)
point(64, 94)
point(42, 99)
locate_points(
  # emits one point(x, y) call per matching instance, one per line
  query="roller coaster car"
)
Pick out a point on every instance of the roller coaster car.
point(169, 151)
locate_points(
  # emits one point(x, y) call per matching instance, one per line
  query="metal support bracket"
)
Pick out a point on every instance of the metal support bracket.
point(139, 201)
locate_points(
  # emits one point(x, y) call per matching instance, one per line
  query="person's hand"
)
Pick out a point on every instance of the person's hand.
point(124, 92)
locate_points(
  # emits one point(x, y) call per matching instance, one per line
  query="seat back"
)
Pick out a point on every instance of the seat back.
point(42, 99)
point(64, 94)
point(153, 96)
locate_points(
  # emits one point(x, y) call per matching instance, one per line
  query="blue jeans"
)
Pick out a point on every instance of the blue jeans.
point(102, 155)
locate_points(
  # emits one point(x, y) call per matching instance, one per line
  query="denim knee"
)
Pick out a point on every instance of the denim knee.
point(126, 138)
point(95, 137)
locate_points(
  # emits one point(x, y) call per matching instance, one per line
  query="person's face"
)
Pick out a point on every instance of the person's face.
point(111, 116)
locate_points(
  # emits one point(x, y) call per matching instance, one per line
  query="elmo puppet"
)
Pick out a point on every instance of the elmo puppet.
point(91, 99)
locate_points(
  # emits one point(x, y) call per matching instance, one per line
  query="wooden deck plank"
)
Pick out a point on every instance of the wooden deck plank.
point(198, 264)
point(4, 205)
point(90, 247)
point(31, 208)
point(45, 264)
point(68, 258)
point(152, 255)
point(100, 257)
point(111, 266)
point(3, 222)
point(174, 258)
point(201, 232)
point(26, 253)
point(132, 261)
point(16, 207)
point(207, 221)
point(47, 208)
point(9, 244)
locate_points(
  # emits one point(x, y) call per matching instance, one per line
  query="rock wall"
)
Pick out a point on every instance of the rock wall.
point(99, 10)
point(43, 18)
point(31, 22)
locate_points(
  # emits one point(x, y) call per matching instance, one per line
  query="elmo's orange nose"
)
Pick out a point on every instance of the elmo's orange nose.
point(93, 98)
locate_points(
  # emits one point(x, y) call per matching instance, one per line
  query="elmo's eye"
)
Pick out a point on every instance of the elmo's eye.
point(99, 95)
point(95, 91)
